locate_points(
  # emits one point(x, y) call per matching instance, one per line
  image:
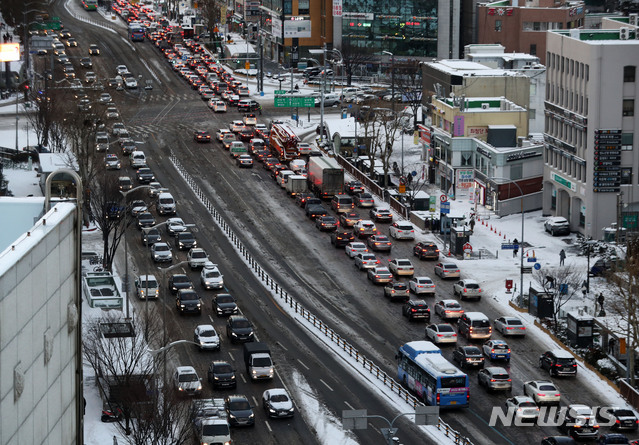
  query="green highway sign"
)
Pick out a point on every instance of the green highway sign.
point(302, 102)
point(280, 91)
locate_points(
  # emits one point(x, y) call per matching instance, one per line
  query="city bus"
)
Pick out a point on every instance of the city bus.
point(90, 5)
point(422, 368)
point(136, 32)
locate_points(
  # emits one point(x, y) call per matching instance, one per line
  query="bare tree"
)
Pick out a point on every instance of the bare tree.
point(563, 283)
point(355, 56)
point(408, 82)
point(107, 211)
point(389, 123)
point(211, 12)
point(369, 123)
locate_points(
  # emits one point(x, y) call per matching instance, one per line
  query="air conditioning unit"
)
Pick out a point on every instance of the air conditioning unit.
point(633, 19)
point(485, 106)
point(624, 33)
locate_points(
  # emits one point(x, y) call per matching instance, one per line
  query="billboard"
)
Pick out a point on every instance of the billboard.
point(297, 27)
point(9, 52)
point(276, 26)
point(337, 8)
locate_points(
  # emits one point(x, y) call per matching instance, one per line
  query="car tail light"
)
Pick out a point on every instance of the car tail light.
point(413, 310)
point(454, 335)
point(509, 351)
point(440, 335)
point(510, 380)
point(508, 328)
point(438, 398)
point(492, 351)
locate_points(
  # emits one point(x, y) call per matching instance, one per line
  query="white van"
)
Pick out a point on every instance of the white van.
point(138, 159)
point(350, 92)
point(297, 165)
point(282, 177)
point(165, 204)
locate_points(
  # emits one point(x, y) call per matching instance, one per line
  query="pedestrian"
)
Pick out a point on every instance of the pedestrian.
point(472, 223)
point(562, 257)
point(259, 109)
point(516, 249)
point(297, 87)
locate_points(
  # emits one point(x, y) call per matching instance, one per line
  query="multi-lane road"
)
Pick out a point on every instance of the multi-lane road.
point(298, 256)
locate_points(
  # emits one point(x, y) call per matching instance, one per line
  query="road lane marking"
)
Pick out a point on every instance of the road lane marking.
point(348, 404)
point(326, 384)
point(254, 400)
point(305, 367)
point(243, 379)
point(268, 426)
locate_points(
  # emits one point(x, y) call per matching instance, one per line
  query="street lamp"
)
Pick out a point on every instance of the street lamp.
point(392, 56)
point(521, 262)
point(323, 83)
point(126, 247)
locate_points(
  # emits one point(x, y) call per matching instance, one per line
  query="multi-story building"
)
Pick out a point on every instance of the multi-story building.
point(40, 330)
point(591, 153)
point(522, 27)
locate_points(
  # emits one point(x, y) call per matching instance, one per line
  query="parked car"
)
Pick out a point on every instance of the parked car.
point(468, 356)
point(557, 225)
point(416, 310)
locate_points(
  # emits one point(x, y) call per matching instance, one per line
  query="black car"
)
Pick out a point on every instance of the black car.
point(150, 236)
point(188, 301)
point(239, 329)
point(301, 198)
point(354, 187)
point(416, 310)
point(179, 281)
point(185, 240)
point(623, 418)
point(221, 374)
point(425, 250)
point(145, 175)
point(201, 136)
point(315, 210)
point(312, 200)
point(558, 362)
point(239, 410)
point(246, 134)
point(145, 219)
point(340, 238)
point(224, 304)
point(468, 356)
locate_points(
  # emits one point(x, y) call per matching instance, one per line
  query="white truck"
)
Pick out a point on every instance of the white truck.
point(209, 420)
point(295, 185)
point(259, 364)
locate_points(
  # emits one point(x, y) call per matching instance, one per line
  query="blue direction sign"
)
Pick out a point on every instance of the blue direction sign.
point(445, 207)
point(509, 246)
point(537, 266)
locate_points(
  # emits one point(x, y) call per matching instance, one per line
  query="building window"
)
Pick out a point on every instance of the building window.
point(628, 107)
point(515, 171)
point(498, 25)
point(587, 72)
point(626, 175)
point(467, 159)
point(627, 140)
point(536, 26)
point(629, 73)
point(553, 201)
point(533, 49)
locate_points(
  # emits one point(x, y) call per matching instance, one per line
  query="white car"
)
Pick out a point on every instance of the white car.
point(112, 113)
point(121, 69)
point(118, 128)
point(175, 225)
point(277, 403)
point(147, 285)
point(510, 326)
point(422, 285)
point(161, 252)
point(448, 309)
point(186, 380)
point(402, 230)
point(401, 267)
point(542, 392)
point(525, 408)
point(219, 106)
point(467, 289)
point(197, 257)
point(90, 77)
point(211, 277)
point(441, 333)
point(352, 249)
point(366, 261)
point(206, 337)
point(219, 134)
point(130, 82)
point(105, 98)
point(364, 228)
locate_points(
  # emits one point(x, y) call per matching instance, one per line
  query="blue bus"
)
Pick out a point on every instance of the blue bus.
point(422, 369)
point(137, 33)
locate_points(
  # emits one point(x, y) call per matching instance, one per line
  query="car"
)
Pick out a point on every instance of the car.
point(340, 238)
point(495, 378)
point(440, 333)
point(349, 219)
point(117, 128)
point(401, 267)
point(239, 410)
point(149, 236)
point(366, 261)
point(257, 144)
point(175, 225)
point(623, 418)
point(239, 329)
point(364, 228)
point(277, 403)
point(112, 113)
point(244, 161)
point(396, 290)
point(314, 211)
point(354, 187)
point(94, 50)
point(250, 119)
point(138, 206)
point(179, 281)
point(402, 230)
point(221, 374)
point(466, 289)
point(474, 326)
point(90, 77)
point(422, 285)
point(197, 258)
point(326, 223)
point(246, 134)
point(447, 270)
point(219, 106)
point(121, 69)
point(542, 392)
point(64, 34)
point(219, 134)
point(201, 136)
point(380, 214)
point(426, 251)
point(447, 309)
point(510, 326)
point(364, 199)
point(206, 337)
point(112, 162)
point(125, 183)
point(144, 175)
point(147, 286)
point(237, 126)
point(188, 301)
point(185, 240)
point(247, 105)
point(557, 225)
point(210, 276)
point(354, 248)
point(71, 42)
point(186, 381)
point(468, 357)
point(612, 438)
point(379, 243)
point(86, 62)
point(560, 440)
point(379, 275)
point(524, 408)
point(161, 253)
point(301, 198)
point(558, 362)
point(416, 310)
point(269, 162)
point(580, 422)
point(105, 98)
point(496, 350)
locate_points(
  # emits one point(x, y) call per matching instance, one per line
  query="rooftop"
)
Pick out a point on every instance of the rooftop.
point(462, 67)
point(624, 35)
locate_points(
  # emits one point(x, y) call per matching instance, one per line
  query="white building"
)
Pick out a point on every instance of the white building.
point(40, 360)
point(591, 118)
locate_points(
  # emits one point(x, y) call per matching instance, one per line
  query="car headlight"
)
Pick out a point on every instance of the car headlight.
point(233, 377)
point(271, 410)
point(233, 334)
point(199, 388)
point(252, 415)
point(231, 416)
point(181, 305)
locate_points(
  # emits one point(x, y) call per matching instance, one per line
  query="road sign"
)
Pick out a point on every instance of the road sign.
point(467, 246)
point(509, 246)
point(302, 102)
point(247, 65)
point(402, 188)
point(531, 260)
point(443, 198)
point(537, 266)
point(445, 207)
point(280, 91)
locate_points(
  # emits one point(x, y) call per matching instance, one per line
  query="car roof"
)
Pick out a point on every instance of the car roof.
point(496, 370)
point(185, 369)
point(205, 326)
point(560, 353)
point(475, 315)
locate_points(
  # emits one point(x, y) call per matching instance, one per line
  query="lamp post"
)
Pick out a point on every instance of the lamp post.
point(392, 56)
point(323, 83)
point(521, 251)
point(126, 247)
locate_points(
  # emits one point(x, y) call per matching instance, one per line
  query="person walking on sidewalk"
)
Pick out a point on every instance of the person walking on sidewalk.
point(516, 249)
point(562, 257)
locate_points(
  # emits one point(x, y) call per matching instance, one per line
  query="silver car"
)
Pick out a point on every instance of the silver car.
point(467, 289)
point(441, 333)
point(380, 275)
point(447, 270)
point(510, 326)
point(211, 277)
point(495, 378)
point(542, 392)
point(161, 252)
point(422, 285)
point(524, 407)
point(366, 261)
point(197, 257)
point(352, 249)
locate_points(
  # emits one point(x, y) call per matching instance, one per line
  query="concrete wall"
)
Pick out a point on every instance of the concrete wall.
point(37, 284)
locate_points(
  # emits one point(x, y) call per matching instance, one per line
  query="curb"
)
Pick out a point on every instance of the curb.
point(518, 309)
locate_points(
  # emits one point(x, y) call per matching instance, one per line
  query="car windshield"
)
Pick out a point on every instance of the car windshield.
point(279, 398)
point(424, 281)
point(471, 350)
point(188, 378)
point(188, 296)
point(241, 324)
point(208, 333)
point(212, 274)
point(501, 376)
point(528, 404)
point(453, 306)
point(565, 361)
point(161, 248)
point(198, 254)
point(445, 328)
point(224, 368)
point(514, 322)
point(450, 266)
point(480, 324)
point(225, 299)
point(547, 388)
point(240, 405)
point(472, 286)
point(215, 430)
point(180, 279)
point(262, 361)
point(148, 283)
point(500, 346)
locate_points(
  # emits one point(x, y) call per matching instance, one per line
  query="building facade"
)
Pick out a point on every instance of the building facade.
point(522, 28)
point(591, 155)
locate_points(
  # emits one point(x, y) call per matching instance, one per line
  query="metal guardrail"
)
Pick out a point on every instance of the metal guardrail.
point(322, 327)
